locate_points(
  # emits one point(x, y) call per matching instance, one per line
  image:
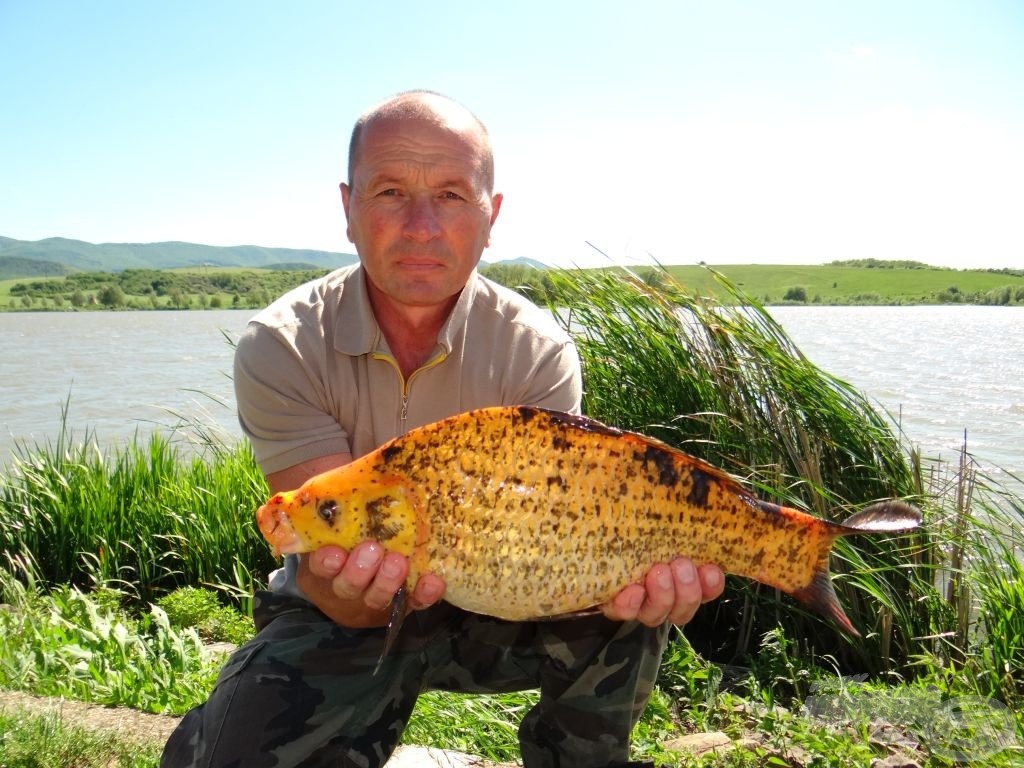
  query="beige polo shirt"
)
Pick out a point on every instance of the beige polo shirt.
point(314, 375)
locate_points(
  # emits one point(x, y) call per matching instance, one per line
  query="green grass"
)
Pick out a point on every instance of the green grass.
point(844, 284)
point(70, 644)
point(29, 740)
point(142, 517)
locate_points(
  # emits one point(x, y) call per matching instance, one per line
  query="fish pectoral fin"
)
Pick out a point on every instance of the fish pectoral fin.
point(395, 619)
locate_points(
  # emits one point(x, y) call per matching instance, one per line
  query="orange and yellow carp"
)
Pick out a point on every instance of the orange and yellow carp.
point(528, 513)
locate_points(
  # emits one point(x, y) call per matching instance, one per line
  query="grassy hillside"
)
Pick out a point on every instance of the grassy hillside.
point(16, 266)
point(859, 283)
point(78, 255)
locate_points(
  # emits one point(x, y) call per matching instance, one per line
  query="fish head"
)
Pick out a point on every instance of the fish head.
point(331, 510)
point(275, 523)
point(299, 521)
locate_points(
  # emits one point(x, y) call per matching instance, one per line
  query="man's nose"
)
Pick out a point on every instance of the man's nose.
point(422, 222)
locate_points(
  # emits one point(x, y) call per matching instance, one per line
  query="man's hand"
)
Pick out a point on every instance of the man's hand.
point(670, 592)
point(355, 588)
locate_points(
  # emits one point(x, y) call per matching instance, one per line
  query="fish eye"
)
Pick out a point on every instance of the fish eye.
point(327, 510)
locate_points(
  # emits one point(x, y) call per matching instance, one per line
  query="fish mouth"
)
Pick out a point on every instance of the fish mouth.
point(272, 519)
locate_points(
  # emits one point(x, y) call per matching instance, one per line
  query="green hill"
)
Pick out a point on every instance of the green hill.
point(58, 255)
point(865, 281)
point(15, 266)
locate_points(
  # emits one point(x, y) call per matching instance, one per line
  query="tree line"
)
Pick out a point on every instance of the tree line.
point(242, 289)
point(156, 289)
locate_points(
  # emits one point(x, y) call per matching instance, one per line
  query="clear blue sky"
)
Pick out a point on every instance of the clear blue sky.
point(725, 132)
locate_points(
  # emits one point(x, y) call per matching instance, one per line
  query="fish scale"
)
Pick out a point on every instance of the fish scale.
point(529, 513)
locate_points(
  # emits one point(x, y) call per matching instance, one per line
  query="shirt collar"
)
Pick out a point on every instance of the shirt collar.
point(356, 331)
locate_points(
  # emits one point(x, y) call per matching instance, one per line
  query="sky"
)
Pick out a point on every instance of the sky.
point(724, 132)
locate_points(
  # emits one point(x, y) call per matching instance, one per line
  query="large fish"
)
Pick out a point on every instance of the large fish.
point(529, 513)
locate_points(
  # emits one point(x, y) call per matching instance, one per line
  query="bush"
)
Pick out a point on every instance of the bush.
point(795, 293)
point(200, 608)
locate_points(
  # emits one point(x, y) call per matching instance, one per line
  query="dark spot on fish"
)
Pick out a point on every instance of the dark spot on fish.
point(579, 422)
point(668, 474)
point(389, 452)
point(560, 443)
point(527, 413)
point(327, 511)
point(700, 486)
point(758, 556)
point(554, 480)
point(794, 552)
point(379, 526)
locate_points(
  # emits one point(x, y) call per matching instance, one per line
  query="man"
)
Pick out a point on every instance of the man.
point(337, 367)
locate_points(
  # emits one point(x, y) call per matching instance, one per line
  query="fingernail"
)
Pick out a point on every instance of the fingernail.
point(390, 568)
point(367, 557)
point(664, 578)
point(333, 562)
point(428, 590)
point(685, 571)
point(636, 600)
point(712, 578)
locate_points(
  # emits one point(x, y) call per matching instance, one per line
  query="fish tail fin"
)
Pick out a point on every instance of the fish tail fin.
point(890, 516)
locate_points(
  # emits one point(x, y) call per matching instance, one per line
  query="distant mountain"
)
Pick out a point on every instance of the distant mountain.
point(520, 261)
point(58, 255)
point(15, 266)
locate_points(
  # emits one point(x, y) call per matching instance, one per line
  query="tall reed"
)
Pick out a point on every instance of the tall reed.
point(144, 516)
point(724, 382)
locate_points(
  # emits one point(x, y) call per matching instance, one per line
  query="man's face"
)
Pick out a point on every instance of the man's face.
point(418, 209)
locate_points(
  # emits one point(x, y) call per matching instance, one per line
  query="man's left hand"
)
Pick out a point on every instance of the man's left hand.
point(671, 592)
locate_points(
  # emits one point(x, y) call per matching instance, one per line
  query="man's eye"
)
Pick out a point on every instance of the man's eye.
point(449, 195)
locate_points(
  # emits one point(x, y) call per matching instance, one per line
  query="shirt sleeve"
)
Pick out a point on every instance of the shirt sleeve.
point(282, 403)
point(555, 379)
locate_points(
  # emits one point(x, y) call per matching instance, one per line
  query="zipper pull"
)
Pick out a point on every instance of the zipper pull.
point(405, 409)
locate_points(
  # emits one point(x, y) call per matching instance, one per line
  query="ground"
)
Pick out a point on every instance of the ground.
point(132, 725)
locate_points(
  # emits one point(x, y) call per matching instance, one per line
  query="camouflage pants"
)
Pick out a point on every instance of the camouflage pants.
point(303, 691)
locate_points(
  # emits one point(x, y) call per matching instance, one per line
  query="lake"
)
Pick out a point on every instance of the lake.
point(941, 370)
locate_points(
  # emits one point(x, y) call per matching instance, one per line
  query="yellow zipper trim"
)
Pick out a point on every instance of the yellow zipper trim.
point(406, 383)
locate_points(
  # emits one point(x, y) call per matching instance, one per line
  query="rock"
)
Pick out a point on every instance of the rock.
point(430, 757)
point(895, 761)
point(699, 743)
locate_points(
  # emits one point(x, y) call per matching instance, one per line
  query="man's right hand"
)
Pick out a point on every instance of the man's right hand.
point(355, 588)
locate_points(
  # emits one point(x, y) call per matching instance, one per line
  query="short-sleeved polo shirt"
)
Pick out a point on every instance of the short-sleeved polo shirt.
point(314, 375)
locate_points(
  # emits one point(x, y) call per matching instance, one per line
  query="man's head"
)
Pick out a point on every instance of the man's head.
point(425, 105)
point(419, 199)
